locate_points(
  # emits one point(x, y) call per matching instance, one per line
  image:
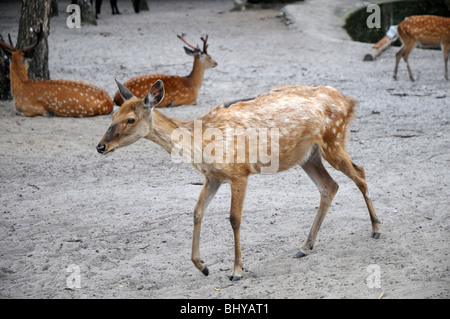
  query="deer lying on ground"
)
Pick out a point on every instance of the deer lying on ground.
point(178, 90)
point(427, 30)
point(51, 97)
point(306, 124)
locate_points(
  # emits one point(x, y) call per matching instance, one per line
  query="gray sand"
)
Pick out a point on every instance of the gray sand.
point(124, 221)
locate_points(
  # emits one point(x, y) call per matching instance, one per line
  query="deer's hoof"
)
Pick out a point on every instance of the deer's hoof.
point(235, 278)
point(305, 250)
point(300, 254)
point(205, 271)
point(376, 235)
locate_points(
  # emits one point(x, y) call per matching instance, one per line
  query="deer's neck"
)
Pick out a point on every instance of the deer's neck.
point(162, 129)
point(196, 76)
point(18, 74)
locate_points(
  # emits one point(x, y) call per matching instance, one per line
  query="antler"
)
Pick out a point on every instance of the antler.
point(38, 36)
point(28, 51)
point(6, 46)
point(181, 37)
point(10, 41)
point(205, 46)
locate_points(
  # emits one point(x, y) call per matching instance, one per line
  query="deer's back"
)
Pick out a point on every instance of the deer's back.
point(426, 29)
point(177, 90)
point(297, 116)
point(284, 107)
point(66, 98)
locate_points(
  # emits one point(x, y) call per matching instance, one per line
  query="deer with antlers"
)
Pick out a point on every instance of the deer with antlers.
point(51, 97)
point(178, 90)
point(429, 31)
point(312, 122)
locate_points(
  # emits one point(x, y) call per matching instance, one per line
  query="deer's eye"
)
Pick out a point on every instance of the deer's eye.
point(131, 120)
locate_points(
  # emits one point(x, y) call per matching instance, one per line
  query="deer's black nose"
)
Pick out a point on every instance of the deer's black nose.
point(101, 148)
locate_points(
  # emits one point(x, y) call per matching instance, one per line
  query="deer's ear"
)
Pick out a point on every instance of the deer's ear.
point(124, 91)
point(195, 53)
point(188, 51)
point(155, 95)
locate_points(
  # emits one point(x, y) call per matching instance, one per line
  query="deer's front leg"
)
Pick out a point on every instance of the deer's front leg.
point(237, 204)
point(208, 191)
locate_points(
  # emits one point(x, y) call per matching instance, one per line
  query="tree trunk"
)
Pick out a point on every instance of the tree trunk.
point(33, 12)
point(87, 11)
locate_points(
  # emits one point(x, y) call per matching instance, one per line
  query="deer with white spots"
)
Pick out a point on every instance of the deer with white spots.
point(178, 90)
point(429, 31)
point(312, 123)
point(51, 97)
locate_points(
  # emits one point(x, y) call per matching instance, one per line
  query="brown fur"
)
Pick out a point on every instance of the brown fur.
point(428, 30)
point(312, 122)
point(54, 97)
point(178, 90)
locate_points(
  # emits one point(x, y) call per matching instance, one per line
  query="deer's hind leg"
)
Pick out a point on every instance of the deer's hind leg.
point(408, 50)
point(238, 187)
point(327, 188)
point(31, 110)
point(339, 159)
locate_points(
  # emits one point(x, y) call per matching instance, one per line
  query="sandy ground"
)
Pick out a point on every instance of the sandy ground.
point(122, 224)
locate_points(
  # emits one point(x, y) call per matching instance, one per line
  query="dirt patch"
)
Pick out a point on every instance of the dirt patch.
point(124, 221)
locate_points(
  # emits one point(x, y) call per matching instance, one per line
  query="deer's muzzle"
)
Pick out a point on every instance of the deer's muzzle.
point(101, 148)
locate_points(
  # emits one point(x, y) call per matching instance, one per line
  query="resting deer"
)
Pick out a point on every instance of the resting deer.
point(428, 30)
point(312, 123)
point(52, 97)
point(178, 90)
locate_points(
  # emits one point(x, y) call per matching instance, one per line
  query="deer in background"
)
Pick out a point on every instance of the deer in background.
point(313, 123)
point(51, 97)
point(428, 30)
point(178, 90)
point(98, 7)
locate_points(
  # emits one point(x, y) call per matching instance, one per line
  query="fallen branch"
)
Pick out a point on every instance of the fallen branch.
point(383, 44)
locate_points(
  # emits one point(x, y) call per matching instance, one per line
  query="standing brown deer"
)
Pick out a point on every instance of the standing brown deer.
point(178, 90)
point(52, 97)
point(312, 123)
point(428, 30)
